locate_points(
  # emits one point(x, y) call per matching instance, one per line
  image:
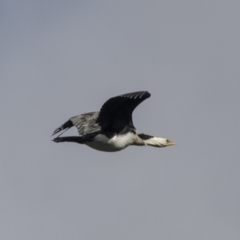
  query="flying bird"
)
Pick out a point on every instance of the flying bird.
point(111, 129)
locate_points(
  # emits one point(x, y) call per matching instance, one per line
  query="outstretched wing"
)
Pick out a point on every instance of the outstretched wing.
point(86, 123)
point(116, 113)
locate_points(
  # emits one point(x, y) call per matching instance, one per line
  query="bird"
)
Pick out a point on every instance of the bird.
point(111, 129)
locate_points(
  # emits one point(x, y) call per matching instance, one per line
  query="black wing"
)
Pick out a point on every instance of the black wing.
point(116, 113)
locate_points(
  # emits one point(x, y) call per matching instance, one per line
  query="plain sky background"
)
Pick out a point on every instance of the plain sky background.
point(62, 58)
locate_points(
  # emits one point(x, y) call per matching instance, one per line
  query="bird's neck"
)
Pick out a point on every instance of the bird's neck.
point(148, 140)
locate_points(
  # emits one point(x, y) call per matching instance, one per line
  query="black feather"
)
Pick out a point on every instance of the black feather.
point(116, 113)
point(67, 125)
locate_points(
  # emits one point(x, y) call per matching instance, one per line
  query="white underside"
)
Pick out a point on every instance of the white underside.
point(117, 143)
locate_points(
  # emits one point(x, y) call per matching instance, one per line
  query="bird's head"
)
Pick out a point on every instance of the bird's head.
point(156, 141)
point(169, 143)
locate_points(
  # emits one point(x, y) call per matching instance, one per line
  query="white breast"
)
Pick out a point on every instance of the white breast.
point(116, 143)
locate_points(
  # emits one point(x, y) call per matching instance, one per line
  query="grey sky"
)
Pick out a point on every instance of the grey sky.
point(62, 58)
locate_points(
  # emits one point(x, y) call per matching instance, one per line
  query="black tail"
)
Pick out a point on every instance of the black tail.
point(66, 125)
point(69, 139)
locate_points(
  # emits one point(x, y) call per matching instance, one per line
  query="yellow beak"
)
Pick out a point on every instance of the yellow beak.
point(169, 143)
